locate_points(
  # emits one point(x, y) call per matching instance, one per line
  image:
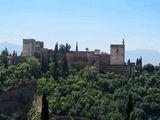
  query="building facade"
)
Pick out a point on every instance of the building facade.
point(117, 54)
point(31, 46)
point(104, 62)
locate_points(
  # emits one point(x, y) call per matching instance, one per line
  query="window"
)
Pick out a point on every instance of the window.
point(117, 51)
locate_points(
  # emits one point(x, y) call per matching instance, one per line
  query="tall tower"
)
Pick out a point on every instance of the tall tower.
point(123, 42)
point(117, 54)
point(28, 47)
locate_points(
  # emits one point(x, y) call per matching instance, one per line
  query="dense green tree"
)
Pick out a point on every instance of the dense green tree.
point(55, 61)
point(6, 62)
point(44, 64)
point(5, 52)
point(129, 107)
point(34, 67)
point(62, 48)
point(44, 112)
point(4, 58)
point(139, 64)
point(148, 68)
point(87, 49)
point(14, 53)
point(65, 70)
point(68, 48)
point(84, 92)
point(55, 69)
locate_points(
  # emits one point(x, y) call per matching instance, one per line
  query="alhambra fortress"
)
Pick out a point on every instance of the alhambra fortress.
point(104, 62)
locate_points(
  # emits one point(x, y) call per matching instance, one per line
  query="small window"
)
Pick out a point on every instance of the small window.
point(117, 51)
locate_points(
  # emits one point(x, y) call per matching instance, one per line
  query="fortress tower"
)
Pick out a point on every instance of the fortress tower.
point(28, 47)
point(117, 54)
point(31, 46)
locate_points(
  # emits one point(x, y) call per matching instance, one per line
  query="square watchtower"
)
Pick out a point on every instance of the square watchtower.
point(28, 47)
point(117, 54)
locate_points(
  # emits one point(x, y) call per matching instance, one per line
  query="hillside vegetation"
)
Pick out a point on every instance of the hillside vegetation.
point(86, 93)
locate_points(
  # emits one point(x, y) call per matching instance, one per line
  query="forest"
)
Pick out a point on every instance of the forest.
point(72, 91)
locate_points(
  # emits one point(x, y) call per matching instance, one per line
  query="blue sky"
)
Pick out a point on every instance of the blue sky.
point(93, 23)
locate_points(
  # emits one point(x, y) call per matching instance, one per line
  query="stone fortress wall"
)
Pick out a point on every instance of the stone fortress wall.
point(31, 46)
point(104, 62)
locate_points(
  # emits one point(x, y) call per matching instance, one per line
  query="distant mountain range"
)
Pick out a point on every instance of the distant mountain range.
point(148, 56)
point(11, 47)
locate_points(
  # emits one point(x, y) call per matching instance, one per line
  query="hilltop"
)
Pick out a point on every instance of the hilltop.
point(149, 56)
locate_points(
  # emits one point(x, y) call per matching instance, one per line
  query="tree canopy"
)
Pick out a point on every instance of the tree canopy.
point(84, 92)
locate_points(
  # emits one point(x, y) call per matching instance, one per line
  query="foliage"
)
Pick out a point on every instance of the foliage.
point(64, 48)
point(18, 74)
point(102, 96)
point(56, 66)
point(65, 70)
point(129, 107)
point(44, 64)
point(139, 64)
point(44, 112)
point(4, 58)
point(83, 92)
point(34, 67)
point(148, 68)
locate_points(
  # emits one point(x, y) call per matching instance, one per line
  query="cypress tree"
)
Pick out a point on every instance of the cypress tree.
point(44, 112)
point(6, 62)
point(55, 69)
point(65, 70)
point(4, 55)
point(129, 107)
point(44, 64)
point(55, 61)
point(67, 48)
point(141, 64)
point(137, 62)
point(77, 47)
point(56, 48)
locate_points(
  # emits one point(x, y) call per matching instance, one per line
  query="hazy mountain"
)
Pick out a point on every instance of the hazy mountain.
point(10, 47)
point(148, 56)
